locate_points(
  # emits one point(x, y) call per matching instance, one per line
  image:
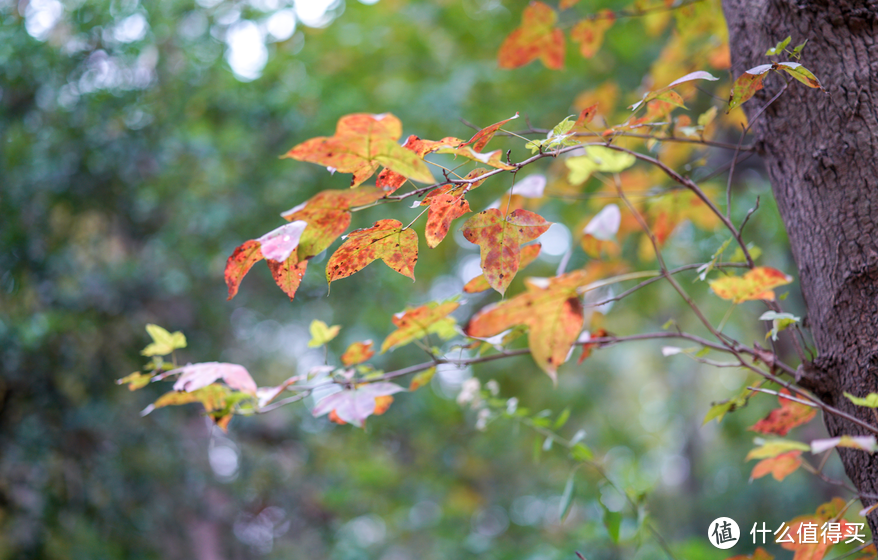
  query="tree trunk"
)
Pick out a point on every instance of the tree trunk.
point(821, 153)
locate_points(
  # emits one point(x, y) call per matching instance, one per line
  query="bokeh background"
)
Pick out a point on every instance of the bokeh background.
point(140, 145)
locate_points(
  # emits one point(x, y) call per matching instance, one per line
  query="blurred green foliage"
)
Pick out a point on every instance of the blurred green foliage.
point(134, 159)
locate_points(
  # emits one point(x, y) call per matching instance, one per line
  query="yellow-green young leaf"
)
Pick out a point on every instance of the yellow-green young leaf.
point(757, 283)
point(213, 397)
point(597, 158)
point(707, 117)
point(321, 333)
point(418, 322)
point(774, 447)
point(613, 522)
point(163, 342)
point(870, 401)
point(422, 379)
point(801, 73)
point(135, 381)
point(719, 410)
point(562, 418)
point(581, 452)
point(779, 47)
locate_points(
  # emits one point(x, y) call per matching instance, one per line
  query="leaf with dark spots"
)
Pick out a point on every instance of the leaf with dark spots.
point(239, 264)
point(418, 322)
point(482, 137)
point(536, 38)
point(500, 240)
point(288, 274)
point(386, 239)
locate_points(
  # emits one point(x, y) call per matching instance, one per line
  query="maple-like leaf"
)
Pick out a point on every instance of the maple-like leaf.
point(217, 400)
point(321, 333)
point(649, 96)
point(328, 216)
point(816, 550)
point(385, 240)
point(778, 467)
point(163, 342)
point(197, 376)
point(362, 142)
point(781, 420)
point(550, 308)
point(357, 353)
point(356, 404)
point(757, 283)
point(529, 253)
point(536, 37)
point(279, 248)
point(589, 32)
point(482, 137)
point(445, 207)
point(747, 85)
point(774, 447)
point(500, 241)
point(418, 322)
point(597, 158)
point(135, 380)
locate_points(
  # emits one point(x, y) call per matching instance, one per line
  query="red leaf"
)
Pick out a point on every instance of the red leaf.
point(479, 284)
point(386, 239)
point(240, 263)
point(500, 240)
point(288, 274)
point(536, 37)
point(781, 420)
point(586, 116)
point(482, 137)
point(444, 208)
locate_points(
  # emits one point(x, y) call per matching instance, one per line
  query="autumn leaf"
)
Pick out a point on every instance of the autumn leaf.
point(774, 447)
point(779, 467)
point(500, 241)
point(529, 253)
point(445, 207)
point(328, 216)
point(279, 248)
point(864, 443)
point(135, 380)
point(552, 311)
point(589, 32)
point(321, 333)
point(217, 400)
point(482, 137)
point(356, 404)
point(649, 96)
point(357, 353)
point(757, 283)
point(362, 142)
point(163, 342)
point(536, 37)
point(597, 158)
point(422, 379)
point(830, 511)
point(197, 376)
point(385, 240)
point(781, 420)
point(800, 73)
point(747, 85)
point(586, 116)
point(418, 322)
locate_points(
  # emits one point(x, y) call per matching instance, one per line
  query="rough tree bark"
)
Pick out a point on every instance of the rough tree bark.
point(821, 153)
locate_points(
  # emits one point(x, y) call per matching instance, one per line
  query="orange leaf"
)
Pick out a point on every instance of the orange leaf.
point(552, 311)
point(444, 208)
point(418, 322)
point(779, 467)
point(288, 274)
point(500, 241)
point(589, 33)
point(482, 137)
point(361, 143)
point(422, 379)
point(382, 403)
point(385, 240)
point(586, 116)
point(781, 420)
point(535, 38)
point(328, 215)
point(357, 353)
point(755, 284)
point(239, 264)
point(758, 554)
point(587, 348)
point(479, 284)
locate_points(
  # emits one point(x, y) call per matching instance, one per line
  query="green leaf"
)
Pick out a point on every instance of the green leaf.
point(163, 342)
point(613, 522)
point(719, 410)
point(562, 418)
point(135, 381)
point(778, 48)
point(321, 333)
point(567, 498)
point(870, 401)
point(780, 321)
point(738, 255)
point(581, 452)
point(798, 48)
